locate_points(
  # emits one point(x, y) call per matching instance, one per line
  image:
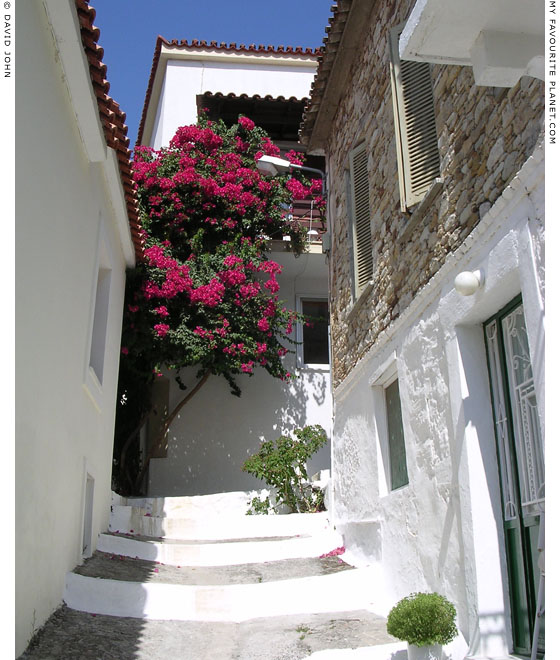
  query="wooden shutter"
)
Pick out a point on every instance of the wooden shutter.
point(415, 125)
point(363, 258)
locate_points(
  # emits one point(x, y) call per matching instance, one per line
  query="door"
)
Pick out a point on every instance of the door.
point(521, 464)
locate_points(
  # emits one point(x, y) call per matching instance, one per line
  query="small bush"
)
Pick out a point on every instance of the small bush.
point(281, 465)
point(423, 619)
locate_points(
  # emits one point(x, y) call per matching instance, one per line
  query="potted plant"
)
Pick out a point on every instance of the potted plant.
point(426, 621)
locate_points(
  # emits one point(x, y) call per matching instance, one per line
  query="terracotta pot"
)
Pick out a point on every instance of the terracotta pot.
point(432, 652)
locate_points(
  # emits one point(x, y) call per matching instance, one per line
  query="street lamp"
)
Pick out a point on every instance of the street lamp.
point(274, 165)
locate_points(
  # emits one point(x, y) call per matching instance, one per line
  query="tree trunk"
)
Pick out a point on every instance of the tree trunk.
point(168, 421)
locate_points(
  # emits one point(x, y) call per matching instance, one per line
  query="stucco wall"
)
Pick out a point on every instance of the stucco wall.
point(62, 213)
point(485, 135)
point(216, 431)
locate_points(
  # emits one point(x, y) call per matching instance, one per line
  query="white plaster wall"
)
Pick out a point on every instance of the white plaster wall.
point(184, 79)
point(443, 530)
point(216, 431)
point(60, 434)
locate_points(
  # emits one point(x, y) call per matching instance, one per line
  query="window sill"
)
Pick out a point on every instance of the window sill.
point(358, 303)
point(315, 367)
point(420, 209)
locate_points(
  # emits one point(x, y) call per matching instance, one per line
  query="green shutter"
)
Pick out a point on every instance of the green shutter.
point(395, 432)
point(363, 257)
point(415, 124)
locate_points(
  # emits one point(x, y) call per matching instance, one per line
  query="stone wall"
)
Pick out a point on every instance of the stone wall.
point(485, 135)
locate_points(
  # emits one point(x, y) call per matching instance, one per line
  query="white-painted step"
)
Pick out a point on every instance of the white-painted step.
point(138, 521)
point(348, 590)
point(197, 506)
point(221, 554)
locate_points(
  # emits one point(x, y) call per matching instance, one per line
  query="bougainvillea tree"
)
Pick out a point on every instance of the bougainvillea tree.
point(206, 291)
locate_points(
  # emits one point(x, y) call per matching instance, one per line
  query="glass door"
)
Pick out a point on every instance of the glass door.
point(521, 464)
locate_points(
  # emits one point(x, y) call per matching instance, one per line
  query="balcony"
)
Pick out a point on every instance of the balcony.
point(501, 39)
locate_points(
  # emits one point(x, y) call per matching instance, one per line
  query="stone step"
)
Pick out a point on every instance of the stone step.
point(355, 635)
point(138, 521)
point(344, 590)
point(222, 552)
point(118, 567)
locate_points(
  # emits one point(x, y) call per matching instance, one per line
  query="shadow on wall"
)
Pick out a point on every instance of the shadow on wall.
point(70, 633)
point(216, 432)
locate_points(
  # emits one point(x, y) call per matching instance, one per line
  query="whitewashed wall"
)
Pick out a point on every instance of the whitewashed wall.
point(442, 531)
point(216, 431)
point(63, 430)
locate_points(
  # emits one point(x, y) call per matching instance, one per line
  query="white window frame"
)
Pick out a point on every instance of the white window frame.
point(385, 376)
point(300, 298)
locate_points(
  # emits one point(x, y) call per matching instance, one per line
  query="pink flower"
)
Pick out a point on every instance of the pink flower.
point(162, 329)
point(124, 350)
point(247, 368)
point(162, 311)
point(247, 123)
point(263, 324)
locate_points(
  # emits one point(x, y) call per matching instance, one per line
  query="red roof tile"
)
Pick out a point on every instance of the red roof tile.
point(111, 116)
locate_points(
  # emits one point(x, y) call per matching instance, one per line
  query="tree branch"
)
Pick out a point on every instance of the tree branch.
point(169, 420)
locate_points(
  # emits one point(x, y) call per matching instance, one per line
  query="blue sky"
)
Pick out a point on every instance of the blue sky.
point(129, 29)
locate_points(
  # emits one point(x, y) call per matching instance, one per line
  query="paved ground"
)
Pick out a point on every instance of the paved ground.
point(71, 635)
point(117, 567)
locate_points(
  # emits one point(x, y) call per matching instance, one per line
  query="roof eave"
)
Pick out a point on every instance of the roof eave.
point(348, 26)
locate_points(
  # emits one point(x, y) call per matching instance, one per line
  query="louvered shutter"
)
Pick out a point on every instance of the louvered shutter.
point(415, 125)
point(363, 258)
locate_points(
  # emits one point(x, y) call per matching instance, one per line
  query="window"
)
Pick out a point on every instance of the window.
point(94, 358)
point(99, 334)
point(415, 125)
point(391, 456)
point(360, 213)
point(395, 437)
point(314, 335)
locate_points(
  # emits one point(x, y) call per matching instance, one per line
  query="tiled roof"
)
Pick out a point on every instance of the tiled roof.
point(335, 29)
point(111, 116)
point(195, 45)
point(254, 97)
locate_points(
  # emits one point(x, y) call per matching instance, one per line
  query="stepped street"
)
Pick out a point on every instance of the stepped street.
point(196, 578)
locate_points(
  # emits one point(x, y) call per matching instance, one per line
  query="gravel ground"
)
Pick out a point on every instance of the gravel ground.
point(71, 635)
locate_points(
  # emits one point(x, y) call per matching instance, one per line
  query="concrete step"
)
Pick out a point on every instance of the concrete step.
point(197, 506)
point(139, 521)
point(355, 635)
point(117, 567)
point(345, 590)
point(223, 553)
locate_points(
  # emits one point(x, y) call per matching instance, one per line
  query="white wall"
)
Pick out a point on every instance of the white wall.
point(61, 433)
point(216, 431)
point(184, 79)
point(443, 530)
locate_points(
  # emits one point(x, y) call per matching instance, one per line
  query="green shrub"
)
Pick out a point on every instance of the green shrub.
point(423, 619)
point(281, 465)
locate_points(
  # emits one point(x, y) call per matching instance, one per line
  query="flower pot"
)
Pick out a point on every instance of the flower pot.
point(432, 652)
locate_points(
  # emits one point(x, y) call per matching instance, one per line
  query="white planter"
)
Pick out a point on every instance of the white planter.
point(432, 652)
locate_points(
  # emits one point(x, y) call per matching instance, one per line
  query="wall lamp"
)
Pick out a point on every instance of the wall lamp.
point(274, 165)
point(468, 282)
